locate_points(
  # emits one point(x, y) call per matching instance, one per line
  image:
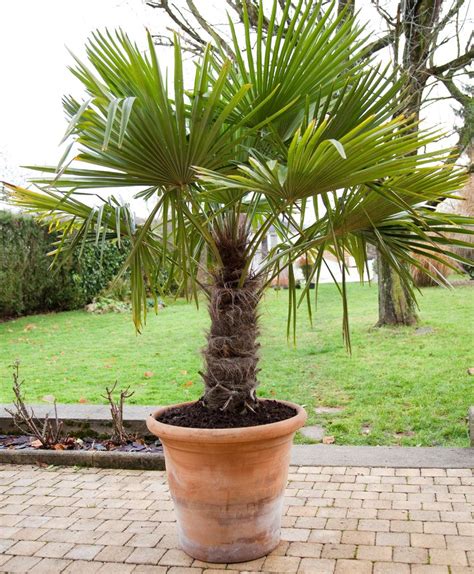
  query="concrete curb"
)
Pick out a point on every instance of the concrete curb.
point(100, 459)
point(301, 455)
point(382, 456)
point(471, 425)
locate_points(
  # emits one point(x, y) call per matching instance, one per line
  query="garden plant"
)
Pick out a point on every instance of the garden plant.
point(301, 135)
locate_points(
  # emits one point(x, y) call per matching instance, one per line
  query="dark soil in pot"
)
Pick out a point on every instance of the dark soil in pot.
point(197, 415)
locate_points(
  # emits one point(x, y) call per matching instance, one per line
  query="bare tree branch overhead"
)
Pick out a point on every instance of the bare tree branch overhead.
point(450, 14)
point(456, 64)
point(175, 14)
point(381, 43)
point(466, 130)
point(209, 29)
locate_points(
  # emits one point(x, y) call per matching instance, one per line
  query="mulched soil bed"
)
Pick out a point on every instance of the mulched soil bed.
point(25, 442)
point(197, 415)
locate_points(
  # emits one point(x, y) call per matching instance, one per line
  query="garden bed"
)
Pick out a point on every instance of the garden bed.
point(27, 442)
point(87, 430)
point(138, 454)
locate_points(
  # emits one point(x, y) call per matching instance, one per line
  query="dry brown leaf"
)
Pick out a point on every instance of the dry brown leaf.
point(83, 400)
point(148, 374)
point(470, 371)
point(329, 440)
point(29, 327)
point(36, 443)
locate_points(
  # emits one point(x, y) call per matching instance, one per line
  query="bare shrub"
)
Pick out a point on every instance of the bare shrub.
point(119, 434)
point(49, 432)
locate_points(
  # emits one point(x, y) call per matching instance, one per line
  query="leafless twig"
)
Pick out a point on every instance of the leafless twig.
point(49, 432)
point(119, 435)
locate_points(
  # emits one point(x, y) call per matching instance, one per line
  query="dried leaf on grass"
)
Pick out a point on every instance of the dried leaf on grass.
point(329, 440)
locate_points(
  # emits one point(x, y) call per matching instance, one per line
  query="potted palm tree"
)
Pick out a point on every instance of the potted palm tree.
point(300, 134)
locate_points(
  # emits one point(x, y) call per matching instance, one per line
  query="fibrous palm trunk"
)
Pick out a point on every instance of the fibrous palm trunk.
point(231, 354)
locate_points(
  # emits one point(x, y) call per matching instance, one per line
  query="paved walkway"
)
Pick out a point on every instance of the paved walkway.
point(341, 520)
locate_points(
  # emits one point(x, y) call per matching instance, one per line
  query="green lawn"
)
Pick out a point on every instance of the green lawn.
point(398, 387)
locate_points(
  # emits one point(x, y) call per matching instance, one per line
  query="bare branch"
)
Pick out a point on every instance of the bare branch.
point(120, 435)
point(381, 43)
point(455, 92)
point(460, 62)
point(252, 11)
point(466, 131)
point(182, 23)
point(453, 11)
point(391, 21)
point(186, 43)
point(161, 40)
point(49, 433)
point(208, 28)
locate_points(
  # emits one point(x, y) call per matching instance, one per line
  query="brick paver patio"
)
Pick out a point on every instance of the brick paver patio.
point(337, 520)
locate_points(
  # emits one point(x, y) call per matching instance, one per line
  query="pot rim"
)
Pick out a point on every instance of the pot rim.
point(226, 435)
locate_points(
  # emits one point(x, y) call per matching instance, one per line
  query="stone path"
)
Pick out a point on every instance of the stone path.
point(341, 520)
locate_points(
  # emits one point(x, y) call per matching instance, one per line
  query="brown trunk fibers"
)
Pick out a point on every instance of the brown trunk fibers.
point(231, 354)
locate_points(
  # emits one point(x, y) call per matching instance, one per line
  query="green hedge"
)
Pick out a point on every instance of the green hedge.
point(27, 285)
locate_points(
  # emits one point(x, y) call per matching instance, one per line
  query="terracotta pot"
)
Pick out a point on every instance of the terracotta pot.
point(228, 485)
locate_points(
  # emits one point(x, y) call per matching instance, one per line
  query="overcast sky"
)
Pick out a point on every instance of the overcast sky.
point(33, 39)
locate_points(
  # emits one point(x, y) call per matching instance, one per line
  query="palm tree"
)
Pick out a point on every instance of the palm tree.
point(299, 133)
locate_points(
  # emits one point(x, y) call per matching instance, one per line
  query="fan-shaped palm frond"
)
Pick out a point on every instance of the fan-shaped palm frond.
point(140, 131)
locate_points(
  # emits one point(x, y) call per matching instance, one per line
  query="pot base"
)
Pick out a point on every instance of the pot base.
point(238, 551)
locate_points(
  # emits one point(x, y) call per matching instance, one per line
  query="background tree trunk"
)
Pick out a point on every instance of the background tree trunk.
point(396, 306)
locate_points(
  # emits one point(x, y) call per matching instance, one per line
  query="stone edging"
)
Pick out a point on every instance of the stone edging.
point(134, 461)
point(302, 455)
point(382, 456)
